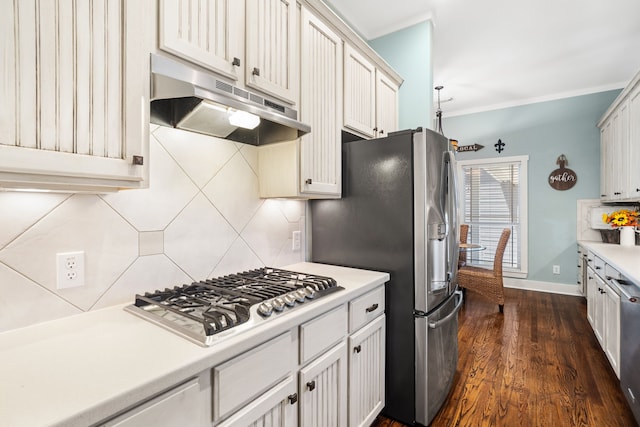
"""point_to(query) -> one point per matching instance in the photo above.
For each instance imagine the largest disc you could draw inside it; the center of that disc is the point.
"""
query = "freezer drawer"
(436, 357)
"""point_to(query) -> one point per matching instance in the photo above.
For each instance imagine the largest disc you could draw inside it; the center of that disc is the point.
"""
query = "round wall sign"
(562, 178)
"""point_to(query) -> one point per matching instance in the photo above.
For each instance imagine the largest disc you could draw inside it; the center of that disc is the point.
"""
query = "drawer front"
(179, 406)
(612, 272)
(591, 259)
(318, 334)
(242, 378)
(598, 266)
(364, 309)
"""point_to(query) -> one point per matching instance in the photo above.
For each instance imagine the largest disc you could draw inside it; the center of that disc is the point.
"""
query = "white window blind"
(494, 198)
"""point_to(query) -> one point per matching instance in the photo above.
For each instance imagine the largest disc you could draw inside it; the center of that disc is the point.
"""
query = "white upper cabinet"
(272, 61)
(75, 94)
(209, 33)
(619, 142)
(321, 107)
(386, 105)
(370, 97)
(251, 42)
(634, 143)
(359, 93)
(311, 167)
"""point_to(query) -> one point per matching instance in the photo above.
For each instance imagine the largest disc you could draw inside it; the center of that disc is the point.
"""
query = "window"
(493, 197)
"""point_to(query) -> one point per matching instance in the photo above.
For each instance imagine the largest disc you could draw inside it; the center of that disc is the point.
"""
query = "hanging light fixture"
(453, 142)
(439, 113)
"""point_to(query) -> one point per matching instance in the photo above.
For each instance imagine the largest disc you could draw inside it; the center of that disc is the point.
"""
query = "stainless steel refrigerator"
(398, 214)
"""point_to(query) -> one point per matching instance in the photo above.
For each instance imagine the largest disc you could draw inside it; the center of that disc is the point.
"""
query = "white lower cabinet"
(323, 389)
(612, 328)
(598, 313)
(184, 405)
(603, 311)
(275, 408)
(591, 296)
(250, 377)
(325, 372)
(366, 373)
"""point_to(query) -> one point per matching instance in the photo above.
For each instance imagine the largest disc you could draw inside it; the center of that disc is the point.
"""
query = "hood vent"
(186, 98)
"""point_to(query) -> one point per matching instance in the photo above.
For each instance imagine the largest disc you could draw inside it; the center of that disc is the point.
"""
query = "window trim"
(524, 209)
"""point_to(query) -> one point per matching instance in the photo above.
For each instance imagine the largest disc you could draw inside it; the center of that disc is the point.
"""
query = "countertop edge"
(625, 259)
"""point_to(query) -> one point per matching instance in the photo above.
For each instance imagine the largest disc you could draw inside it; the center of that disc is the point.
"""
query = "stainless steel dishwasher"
(630, 344)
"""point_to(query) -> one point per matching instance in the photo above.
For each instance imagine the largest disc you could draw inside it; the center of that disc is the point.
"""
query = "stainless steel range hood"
(186, 98)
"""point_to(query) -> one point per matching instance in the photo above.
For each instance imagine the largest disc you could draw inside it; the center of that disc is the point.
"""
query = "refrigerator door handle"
(452, 192)
(448, 317)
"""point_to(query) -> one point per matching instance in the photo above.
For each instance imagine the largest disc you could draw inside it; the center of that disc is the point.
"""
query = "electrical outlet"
(70, 269)
(295, 237)
(556, 269)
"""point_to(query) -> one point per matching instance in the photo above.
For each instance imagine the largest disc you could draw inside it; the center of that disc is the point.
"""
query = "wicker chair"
(484, 281)
(464, 232)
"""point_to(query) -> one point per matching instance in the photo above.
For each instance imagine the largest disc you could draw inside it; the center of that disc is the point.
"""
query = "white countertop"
(625, 259)
(82, 369)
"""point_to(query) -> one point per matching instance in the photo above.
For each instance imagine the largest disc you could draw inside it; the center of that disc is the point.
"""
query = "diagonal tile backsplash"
(201, 217)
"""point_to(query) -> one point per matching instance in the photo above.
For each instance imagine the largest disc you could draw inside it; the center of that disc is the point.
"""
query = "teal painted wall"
(543, 131)
(408, 51)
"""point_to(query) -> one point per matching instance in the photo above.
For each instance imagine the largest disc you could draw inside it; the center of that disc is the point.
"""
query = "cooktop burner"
(202, 310)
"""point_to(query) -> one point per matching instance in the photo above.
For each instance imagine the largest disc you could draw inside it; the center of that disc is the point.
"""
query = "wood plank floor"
(538, 365)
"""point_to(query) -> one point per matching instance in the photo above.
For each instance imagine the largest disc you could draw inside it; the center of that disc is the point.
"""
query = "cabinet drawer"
(248, 375)
(609, 271)
(598, 265)
(179, 406)
(322, 332)
(366, 308)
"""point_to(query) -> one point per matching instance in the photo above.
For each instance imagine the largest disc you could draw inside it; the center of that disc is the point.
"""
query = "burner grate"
(218, 304)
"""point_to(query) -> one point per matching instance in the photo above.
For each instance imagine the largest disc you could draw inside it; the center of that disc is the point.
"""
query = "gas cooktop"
(209, 310)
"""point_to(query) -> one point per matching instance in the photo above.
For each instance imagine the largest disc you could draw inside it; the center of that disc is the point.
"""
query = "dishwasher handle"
(624, 290)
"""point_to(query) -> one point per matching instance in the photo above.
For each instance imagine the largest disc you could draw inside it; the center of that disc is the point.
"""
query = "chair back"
(464, 232)
(502, 244)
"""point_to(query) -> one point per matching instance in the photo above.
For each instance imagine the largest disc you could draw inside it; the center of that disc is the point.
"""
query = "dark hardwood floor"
(537, 365)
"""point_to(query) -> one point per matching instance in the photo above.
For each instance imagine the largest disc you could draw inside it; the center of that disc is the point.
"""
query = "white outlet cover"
(295, 237)
(69, 269)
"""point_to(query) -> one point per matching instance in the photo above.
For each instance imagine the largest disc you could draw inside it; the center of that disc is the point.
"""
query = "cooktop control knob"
(299, 295)
(289, 300)
(278, 304)
(310, 292)
(265, 309)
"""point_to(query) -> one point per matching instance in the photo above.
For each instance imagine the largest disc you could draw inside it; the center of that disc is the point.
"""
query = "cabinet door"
(606, 161)
(612, 328)
(271, 60)
(634, 143)
(366, 373)
(209, 33)
(580, 275)
(359, 93)
(323, 389)
(591, 296)
(598, 314)
(321, 107)
(619, 165)
(275, 408)
(75, 92)
(386, 105)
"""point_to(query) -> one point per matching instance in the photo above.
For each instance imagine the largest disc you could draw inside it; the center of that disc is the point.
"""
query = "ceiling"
(501, 53)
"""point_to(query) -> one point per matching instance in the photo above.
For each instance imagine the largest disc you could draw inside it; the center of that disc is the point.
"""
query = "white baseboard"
(550, 287)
